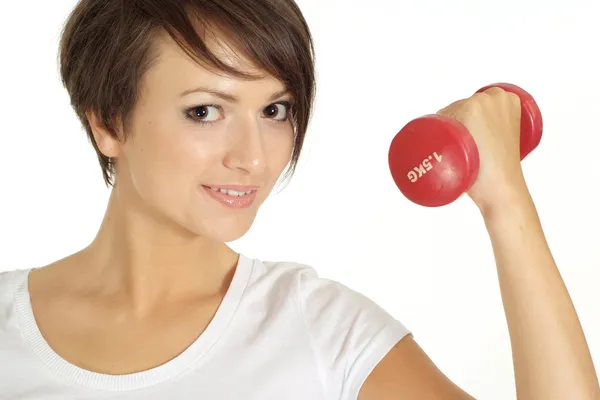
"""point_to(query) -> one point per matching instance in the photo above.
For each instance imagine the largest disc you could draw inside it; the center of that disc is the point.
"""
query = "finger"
(449, 109)
(493, 91)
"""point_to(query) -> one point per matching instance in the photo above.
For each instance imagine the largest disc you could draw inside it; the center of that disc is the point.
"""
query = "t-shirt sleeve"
(350, 334)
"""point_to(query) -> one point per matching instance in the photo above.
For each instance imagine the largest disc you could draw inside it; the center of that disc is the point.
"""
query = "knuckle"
(513, 98)
(494, 91)
(476, 102)
(452, 108)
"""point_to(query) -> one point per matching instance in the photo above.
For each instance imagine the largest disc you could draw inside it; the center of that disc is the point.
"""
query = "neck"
(144, 260)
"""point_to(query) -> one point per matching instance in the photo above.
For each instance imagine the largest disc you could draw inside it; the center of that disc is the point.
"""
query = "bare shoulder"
(408, 373)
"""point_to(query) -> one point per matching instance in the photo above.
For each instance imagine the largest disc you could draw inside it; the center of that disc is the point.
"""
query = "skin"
(159, 266)
(550, 354)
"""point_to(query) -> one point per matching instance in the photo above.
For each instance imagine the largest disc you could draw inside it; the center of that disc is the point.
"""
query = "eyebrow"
(228, 97)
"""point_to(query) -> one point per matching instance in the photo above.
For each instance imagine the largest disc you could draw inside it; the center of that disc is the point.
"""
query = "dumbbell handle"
(532, 125)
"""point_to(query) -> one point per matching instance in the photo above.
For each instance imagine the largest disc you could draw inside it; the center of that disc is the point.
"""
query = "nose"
(247, 150)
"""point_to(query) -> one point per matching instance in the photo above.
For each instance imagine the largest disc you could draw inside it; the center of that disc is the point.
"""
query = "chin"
(227, 229)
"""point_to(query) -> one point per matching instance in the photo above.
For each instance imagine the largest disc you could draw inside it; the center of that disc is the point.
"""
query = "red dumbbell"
(434, 159)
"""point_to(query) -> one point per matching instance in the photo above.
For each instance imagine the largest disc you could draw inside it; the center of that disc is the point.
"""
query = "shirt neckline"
(138, 380)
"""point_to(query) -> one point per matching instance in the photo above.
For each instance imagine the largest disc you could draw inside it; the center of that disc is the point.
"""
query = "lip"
(237, 202)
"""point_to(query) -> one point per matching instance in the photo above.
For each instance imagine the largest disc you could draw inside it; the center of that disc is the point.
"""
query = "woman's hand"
(493, 118)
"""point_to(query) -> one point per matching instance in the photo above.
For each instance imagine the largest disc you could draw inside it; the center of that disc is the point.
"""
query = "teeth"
(230, 192)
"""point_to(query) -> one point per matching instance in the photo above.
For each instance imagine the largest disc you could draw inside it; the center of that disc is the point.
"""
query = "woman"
(195, 110)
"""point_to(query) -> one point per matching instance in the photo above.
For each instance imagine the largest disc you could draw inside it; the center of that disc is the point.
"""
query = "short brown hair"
(107, 46)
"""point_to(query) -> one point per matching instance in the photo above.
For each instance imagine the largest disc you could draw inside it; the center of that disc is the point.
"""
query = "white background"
(380, 64)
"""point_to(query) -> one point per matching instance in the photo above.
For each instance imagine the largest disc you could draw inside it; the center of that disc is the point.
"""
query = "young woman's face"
(205, 149)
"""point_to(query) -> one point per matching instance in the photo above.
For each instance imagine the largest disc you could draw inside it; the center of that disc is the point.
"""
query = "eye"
(205, 113)
(277, 111)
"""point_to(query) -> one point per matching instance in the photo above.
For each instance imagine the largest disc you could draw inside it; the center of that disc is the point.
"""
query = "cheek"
(279, 148)
(167, 159)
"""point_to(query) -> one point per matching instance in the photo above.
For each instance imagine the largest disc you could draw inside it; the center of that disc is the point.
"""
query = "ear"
(106, 140)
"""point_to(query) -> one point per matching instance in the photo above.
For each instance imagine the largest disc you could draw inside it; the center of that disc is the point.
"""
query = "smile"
(237, 197)
(231, 192)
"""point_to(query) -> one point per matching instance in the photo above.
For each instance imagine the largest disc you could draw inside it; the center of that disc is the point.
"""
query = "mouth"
(234, 196)
(231, 192)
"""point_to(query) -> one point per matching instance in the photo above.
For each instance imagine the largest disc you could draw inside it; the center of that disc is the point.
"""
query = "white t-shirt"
(281, 333)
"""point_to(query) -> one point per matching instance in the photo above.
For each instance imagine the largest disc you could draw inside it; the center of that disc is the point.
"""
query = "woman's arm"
(550, 354)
